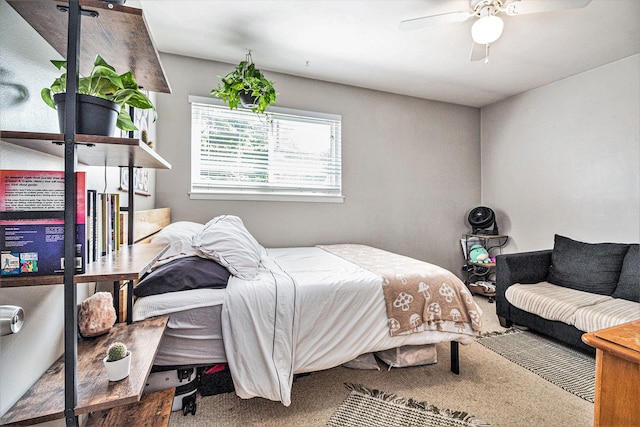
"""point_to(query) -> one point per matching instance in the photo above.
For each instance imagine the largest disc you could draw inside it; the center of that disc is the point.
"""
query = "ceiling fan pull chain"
(486, 54)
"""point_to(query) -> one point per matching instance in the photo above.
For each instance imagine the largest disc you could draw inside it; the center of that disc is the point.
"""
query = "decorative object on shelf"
(103, 91)
(140, 180)
(246, 85)
(117, 362)
(144, 137)
(481, 219)
(479, 255)
(96, 315)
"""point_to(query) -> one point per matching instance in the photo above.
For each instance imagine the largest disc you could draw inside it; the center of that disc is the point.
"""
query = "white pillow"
(178, 236)
(226, 240)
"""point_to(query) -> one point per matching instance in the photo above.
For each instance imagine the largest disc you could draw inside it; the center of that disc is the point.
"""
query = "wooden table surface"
(617, 392)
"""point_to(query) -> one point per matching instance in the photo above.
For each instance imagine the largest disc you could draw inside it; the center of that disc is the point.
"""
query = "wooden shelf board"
(480, 290)
(137, 52)
(44, 401)
(488, 236)
(153, 410)
(91, 149)
(129, 263)
(480, 264)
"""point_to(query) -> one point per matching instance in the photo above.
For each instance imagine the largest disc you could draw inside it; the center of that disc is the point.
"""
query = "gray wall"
(565, 158)
(411, 167)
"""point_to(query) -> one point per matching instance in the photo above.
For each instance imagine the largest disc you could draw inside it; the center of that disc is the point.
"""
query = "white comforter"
(307, 310)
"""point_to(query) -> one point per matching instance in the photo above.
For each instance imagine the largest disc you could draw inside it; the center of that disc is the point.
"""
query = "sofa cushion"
(607, 314)
(589, 267)
(629, 282)
(551, 302)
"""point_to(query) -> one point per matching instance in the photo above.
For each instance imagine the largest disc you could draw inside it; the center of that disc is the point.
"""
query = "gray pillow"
(629, 282)
(589, 267)
(183, 274)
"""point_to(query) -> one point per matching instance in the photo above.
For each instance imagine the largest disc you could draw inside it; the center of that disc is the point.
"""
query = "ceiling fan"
(488, 26)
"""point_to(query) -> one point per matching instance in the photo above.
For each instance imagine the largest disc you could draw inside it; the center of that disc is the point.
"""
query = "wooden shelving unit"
(77, 384)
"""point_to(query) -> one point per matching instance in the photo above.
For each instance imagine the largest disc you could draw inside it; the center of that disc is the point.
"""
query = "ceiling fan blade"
(433, 20)
(522, 7)
(478, 52)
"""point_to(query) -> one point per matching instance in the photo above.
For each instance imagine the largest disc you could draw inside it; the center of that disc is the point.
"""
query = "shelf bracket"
(83, 12)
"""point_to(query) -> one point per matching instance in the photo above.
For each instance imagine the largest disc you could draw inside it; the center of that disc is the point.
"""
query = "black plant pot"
(247, 100)
(94, 116)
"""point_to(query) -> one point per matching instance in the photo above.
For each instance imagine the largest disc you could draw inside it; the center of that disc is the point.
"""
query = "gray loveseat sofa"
(571, 289)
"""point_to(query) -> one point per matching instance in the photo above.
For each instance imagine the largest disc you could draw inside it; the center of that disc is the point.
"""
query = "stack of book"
(103, 222)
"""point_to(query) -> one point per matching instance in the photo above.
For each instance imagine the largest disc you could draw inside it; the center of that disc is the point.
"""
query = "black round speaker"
(482, 219)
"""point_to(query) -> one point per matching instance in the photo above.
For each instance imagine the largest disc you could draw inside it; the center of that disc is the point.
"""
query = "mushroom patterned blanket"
(419, 296)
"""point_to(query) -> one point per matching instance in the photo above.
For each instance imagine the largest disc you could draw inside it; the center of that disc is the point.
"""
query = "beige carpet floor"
(489, 387)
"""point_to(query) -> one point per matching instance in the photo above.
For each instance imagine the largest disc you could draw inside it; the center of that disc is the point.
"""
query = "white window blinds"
(287, 152)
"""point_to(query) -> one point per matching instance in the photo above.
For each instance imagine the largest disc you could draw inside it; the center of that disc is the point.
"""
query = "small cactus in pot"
(116, 351)
(117, 361)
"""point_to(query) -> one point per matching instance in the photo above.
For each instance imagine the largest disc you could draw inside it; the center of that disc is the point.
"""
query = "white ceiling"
(359, 43)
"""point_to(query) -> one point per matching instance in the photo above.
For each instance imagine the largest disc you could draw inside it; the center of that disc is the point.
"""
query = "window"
(289, 155)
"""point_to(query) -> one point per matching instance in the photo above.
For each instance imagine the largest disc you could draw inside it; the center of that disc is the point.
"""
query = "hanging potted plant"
(102, 99)
(247, 86)
(117, 362)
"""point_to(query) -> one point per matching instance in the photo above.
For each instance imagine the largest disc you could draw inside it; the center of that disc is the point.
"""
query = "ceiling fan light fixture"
(487, 29)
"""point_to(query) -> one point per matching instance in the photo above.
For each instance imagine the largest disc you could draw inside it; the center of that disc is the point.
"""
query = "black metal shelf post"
(70, 189)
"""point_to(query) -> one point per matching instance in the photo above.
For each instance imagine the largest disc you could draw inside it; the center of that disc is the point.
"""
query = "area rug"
(366, 407)
(569, 369)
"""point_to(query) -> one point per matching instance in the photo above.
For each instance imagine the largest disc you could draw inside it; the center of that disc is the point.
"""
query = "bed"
(272, 313)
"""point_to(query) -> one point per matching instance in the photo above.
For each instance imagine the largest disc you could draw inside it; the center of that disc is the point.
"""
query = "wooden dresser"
(617, 391)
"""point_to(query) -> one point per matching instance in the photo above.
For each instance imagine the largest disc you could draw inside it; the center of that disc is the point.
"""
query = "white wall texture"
(565, 159)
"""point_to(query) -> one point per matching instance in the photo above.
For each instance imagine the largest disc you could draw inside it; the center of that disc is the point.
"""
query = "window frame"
(252, 194)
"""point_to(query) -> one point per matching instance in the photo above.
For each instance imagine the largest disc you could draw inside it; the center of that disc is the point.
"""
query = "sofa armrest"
(522, 267)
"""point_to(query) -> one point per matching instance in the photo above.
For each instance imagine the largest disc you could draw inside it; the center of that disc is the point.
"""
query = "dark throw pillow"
(183, 274)
(629, 282)
(589, 267)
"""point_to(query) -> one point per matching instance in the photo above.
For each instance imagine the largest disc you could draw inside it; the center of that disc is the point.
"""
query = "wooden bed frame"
(145, 224)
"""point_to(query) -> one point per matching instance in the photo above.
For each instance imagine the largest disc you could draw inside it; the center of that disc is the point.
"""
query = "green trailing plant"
(103, 82)
(250, 80)
(116, 351)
